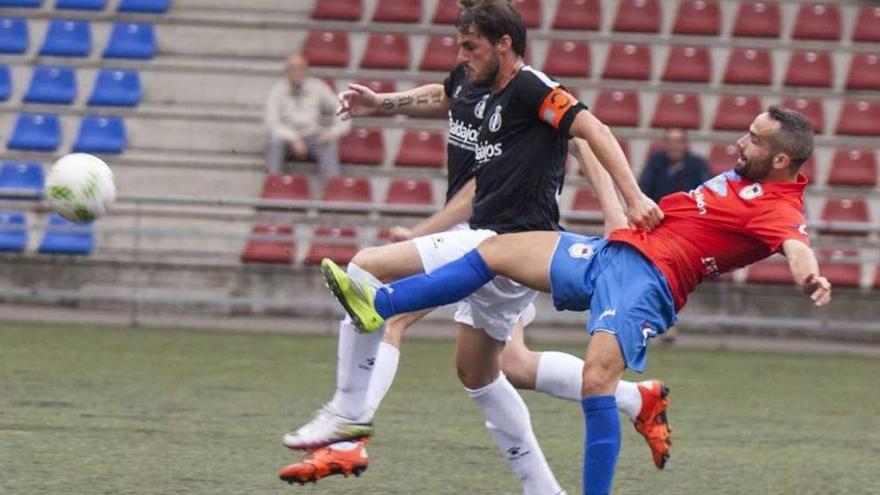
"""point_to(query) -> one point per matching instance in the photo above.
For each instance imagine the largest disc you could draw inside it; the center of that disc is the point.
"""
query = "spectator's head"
(491, 39)
(778, 143)
(675, 144)
(297, 69)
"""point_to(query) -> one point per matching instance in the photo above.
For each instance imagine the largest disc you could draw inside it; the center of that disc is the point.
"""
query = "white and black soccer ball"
(80, 187)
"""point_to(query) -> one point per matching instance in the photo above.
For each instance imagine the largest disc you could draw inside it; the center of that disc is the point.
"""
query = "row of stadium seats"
(55, 84)
(814, 21)
(73, 38)
(42, 132)
(60, 236)
(125, 6)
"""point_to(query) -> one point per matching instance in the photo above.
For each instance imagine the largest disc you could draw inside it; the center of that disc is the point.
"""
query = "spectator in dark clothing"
(673, 168)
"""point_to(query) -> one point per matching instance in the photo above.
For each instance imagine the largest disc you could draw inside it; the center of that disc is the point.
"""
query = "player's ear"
(505, 43)
(781, 161)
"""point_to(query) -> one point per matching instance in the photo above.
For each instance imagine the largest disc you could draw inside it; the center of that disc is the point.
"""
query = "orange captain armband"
(555, 104)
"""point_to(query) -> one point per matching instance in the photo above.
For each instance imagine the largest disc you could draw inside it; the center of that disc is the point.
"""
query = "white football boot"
(327, 427)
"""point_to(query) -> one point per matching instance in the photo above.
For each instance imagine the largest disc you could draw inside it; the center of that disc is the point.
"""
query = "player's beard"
(754, 169)
(490, 75)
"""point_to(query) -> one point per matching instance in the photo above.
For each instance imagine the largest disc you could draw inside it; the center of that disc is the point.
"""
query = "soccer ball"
(80, 187)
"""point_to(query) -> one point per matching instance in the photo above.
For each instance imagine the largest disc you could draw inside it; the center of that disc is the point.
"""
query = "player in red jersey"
(635, 281)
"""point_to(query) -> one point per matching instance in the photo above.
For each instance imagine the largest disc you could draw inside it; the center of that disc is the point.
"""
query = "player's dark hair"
(794, 136)
(493, 19)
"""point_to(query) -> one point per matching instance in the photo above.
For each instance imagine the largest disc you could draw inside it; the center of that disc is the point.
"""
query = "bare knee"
(519, 364)
(474, 377)
(369, 260)
(490, 250)
(601, 377)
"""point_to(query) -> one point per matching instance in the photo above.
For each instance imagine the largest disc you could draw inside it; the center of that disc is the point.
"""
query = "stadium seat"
(853, 168)
(812, 108)
(722, 157)
(809, 68)
(446, 13)
(422, 149)
(845, 210)
(618, 108)
(809, 168)
(63, 237)
(13, 232)
(628, 61)
(680, 110)
(441, 53)
(736, 113)
(585, 199)
(758, 20)
(348, 190)
(146, 6)
(21, 180)
(267, 244)
(409, 11)
(131, 40)
(868, 24)
(14, 37)
(700, 17)
(582, 15)
(362, 147)
(36, 132)
(337, 243)
(81, 4)
(327, 48)
(410, 192)
(530, 10)
(842, 267)
(100, 134)
(864, 71)
(637, 16)
(287, 187)
(772, 270)
(67, 38)
(817, 21)
(568, 59)
(379, 85)
(116, 88)
(5, 82)
(386, 51)
(748, 66)
(859, 118)
(51, 84)
(21, 3)
(688, 64)
(338, 10)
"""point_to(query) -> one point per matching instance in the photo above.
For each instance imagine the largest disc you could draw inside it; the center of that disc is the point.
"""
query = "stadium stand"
(445, 13)
(864, 71)
(13, 231)
(338, 10)
(398, 11)
(67, 38)
(867, 24)
(618, 108)
(267, 244)
(859, 118)
(68, 238)
(812, 108)
(101, 135)
(581, 15)
(820, 21)
(14, 35)
(36, 132)
(422, 149)
(145, 6)
(5, 82)
(681, 110)
(410, 192)
(568, 59)
(336, 243)
(21, 3)
(638, 16)
(853, 168)
(349, 190)
(116, 88)
(688, 64)
(845, 210)
(81, 4)
(722, 157)
(697, 17)
(286, 187)
(810, 68)
(628, 61)
(749, 66)
(758, 20)
(441, 53)
(51, 84)
(21, 180)
(736, 113)
(131, 40)
(362, 146)
(386, 51)
(530, 10)
(327, 48)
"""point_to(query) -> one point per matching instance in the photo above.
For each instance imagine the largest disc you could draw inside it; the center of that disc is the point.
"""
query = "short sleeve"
(548, 100)
(775, 225)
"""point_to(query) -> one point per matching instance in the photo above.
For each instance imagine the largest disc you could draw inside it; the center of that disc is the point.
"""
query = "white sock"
(383, 375)
(353, 375)
(344, 347)
(507, 419)
(629, 399)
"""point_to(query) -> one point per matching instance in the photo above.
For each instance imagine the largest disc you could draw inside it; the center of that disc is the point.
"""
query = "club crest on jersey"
(495, 120)
(718, 184)
(480, 108)
(751, 192)
(580, 251)
(457, 91)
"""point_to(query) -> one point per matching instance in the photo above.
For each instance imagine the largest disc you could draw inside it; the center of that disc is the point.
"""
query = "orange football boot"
(327, 461)
(651, 421)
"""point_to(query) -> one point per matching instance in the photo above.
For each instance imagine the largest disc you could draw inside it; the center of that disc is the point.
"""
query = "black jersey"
(520, 155)
(466, 106)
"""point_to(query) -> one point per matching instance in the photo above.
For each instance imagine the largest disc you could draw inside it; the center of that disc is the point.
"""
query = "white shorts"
(494, 307)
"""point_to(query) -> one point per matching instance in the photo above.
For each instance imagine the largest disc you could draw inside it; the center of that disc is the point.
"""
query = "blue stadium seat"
(116, 87)
(13, 231)
(5, 82)
(131, 40)
(52, 84)
(100, 134)
(67, 38)
(14, 36)
(150, 6)
(36, 132)
(21, 3)
(81, 4)
(63, 237)
(21, 180)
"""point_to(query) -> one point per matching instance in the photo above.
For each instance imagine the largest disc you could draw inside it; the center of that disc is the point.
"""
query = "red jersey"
(726, 223)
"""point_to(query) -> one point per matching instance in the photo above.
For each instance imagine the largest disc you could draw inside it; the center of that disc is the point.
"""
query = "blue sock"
(601, 444)
(450, 283)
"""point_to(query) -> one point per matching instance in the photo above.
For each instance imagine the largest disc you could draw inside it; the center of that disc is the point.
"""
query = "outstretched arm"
(457, 210)
(612, 210)
(424, 101)
(805, 270)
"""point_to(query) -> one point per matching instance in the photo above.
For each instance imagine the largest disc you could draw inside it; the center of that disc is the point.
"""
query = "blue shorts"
(626, 294)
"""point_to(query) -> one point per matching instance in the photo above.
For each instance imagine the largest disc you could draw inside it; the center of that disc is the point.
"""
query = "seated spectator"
(673, 168)
(301, 117)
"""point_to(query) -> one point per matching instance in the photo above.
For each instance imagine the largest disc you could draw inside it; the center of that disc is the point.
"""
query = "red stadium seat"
(809, 68)
(362, 147)
(386, 51)
(688, 64)
(772, 270)
(817, 21)
(868, 24)
(853, 168)
(441, 53)
(379, 85)
(638, 16)
(722, 157)
(338, 10)
(578, 14)
(812, 108)
(748, 66)
(446, 13)
(757, 20)
(845, 210)
(568, 59)
(677, 110)
(398, 11)
(864, 72)
(530, 10)
(422, 149)
(736, 113)
(841, 267)
(349, 190)
(263, 247)
(410, 192)
(859, 118)
(327, 48)
(585, 199)
(702, 17)
(277, 186)
(337, 243)
(628, 61)
(618, 108)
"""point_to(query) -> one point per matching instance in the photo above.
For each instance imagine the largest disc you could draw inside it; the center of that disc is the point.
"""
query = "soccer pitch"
(118, 411)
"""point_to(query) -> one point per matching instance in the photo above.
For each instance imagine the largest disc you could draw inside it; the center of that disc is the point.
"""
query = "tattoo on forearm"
(387, 104)
(426, 98)
(404, 101)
